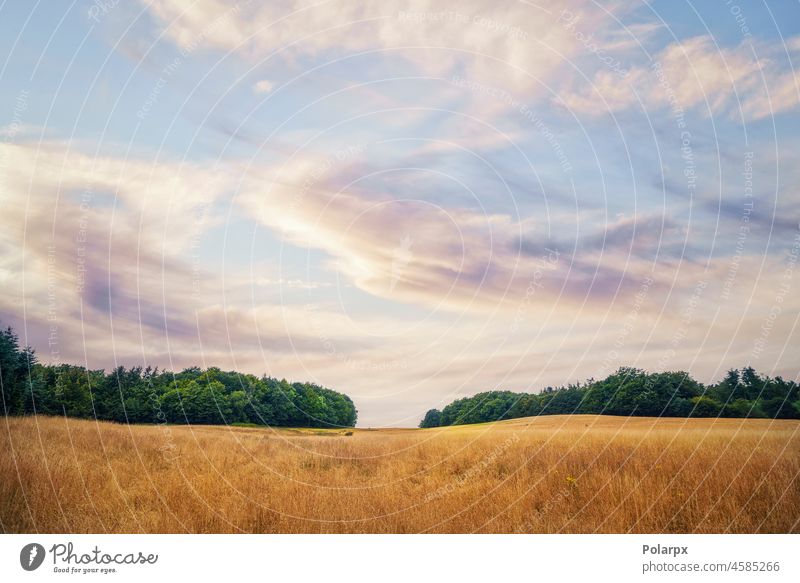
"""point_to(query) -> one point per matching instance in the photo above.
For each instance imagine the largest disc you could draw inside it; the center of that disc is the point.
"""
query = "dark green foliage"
(139, 395)
(14, 366)
(489, 406)
(705, 407)
(433, 418)
(631, 391)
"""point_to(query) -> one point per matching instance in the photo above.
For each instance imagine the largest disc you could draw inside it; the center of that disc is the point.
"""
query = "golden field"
(555, 474)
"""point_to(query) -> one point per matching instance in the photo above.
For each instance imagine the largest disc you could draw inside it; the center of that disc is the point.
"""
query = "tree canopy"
(137, 395)
(630, 391)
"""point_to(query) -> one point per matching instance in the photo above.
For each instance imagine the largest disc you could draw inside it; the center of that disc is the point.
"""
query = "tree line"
(630, 391)
(147, 395)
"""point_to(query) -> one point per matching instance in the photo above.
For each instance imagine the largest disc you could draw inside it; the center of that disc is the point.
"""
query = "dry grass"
(549, 474)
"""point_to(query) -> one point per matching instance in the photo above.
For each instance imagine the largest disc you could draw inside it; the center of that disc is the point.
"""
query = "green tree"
(15, 363)
(433, 418)
(73, 393)
(704, 406)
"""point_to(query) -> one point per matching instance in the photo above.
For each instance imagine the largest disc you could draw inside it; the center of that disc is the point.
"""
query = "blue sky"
(408, 202)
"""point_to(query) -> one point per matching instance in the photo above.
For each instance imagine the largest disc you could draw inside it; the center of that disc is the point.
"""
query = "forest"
(634, 392)
(213, 396)
(146, 395)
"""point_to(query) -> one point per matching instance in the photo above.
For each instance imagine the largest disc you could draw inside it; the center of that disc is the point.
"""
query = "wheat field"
(556, 474)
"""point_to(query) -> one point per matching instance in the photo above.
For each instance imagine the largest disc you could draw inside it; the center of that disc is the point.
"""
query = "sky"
(409, 202)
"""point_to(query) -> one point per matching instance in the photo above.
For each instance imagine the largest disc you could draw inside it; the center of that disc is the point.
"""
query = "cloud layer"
(408, 202)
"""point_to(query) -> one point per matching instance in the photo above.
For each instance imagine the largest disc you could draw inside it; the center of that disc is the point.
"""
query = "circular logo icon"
(31, 556)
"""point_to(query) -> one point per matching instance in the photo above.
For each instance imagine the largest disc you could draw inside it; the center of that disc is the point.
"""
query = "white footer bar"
(423, 558)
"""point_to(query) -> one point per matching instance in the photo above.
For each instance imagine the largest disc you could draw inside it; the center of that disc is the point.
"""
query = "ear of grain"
(579, 474)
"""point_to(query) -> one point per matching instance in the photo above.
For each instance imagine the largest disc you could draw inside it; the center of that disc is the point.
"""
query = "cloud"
(262, 86)
(695, 73)
(428, 301)
(446, 257)
(109, 251)
(521, 46)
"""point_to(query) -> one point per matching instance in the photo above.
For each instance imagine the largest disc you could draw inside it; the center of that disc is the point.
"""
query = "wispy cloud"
(696, 73)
